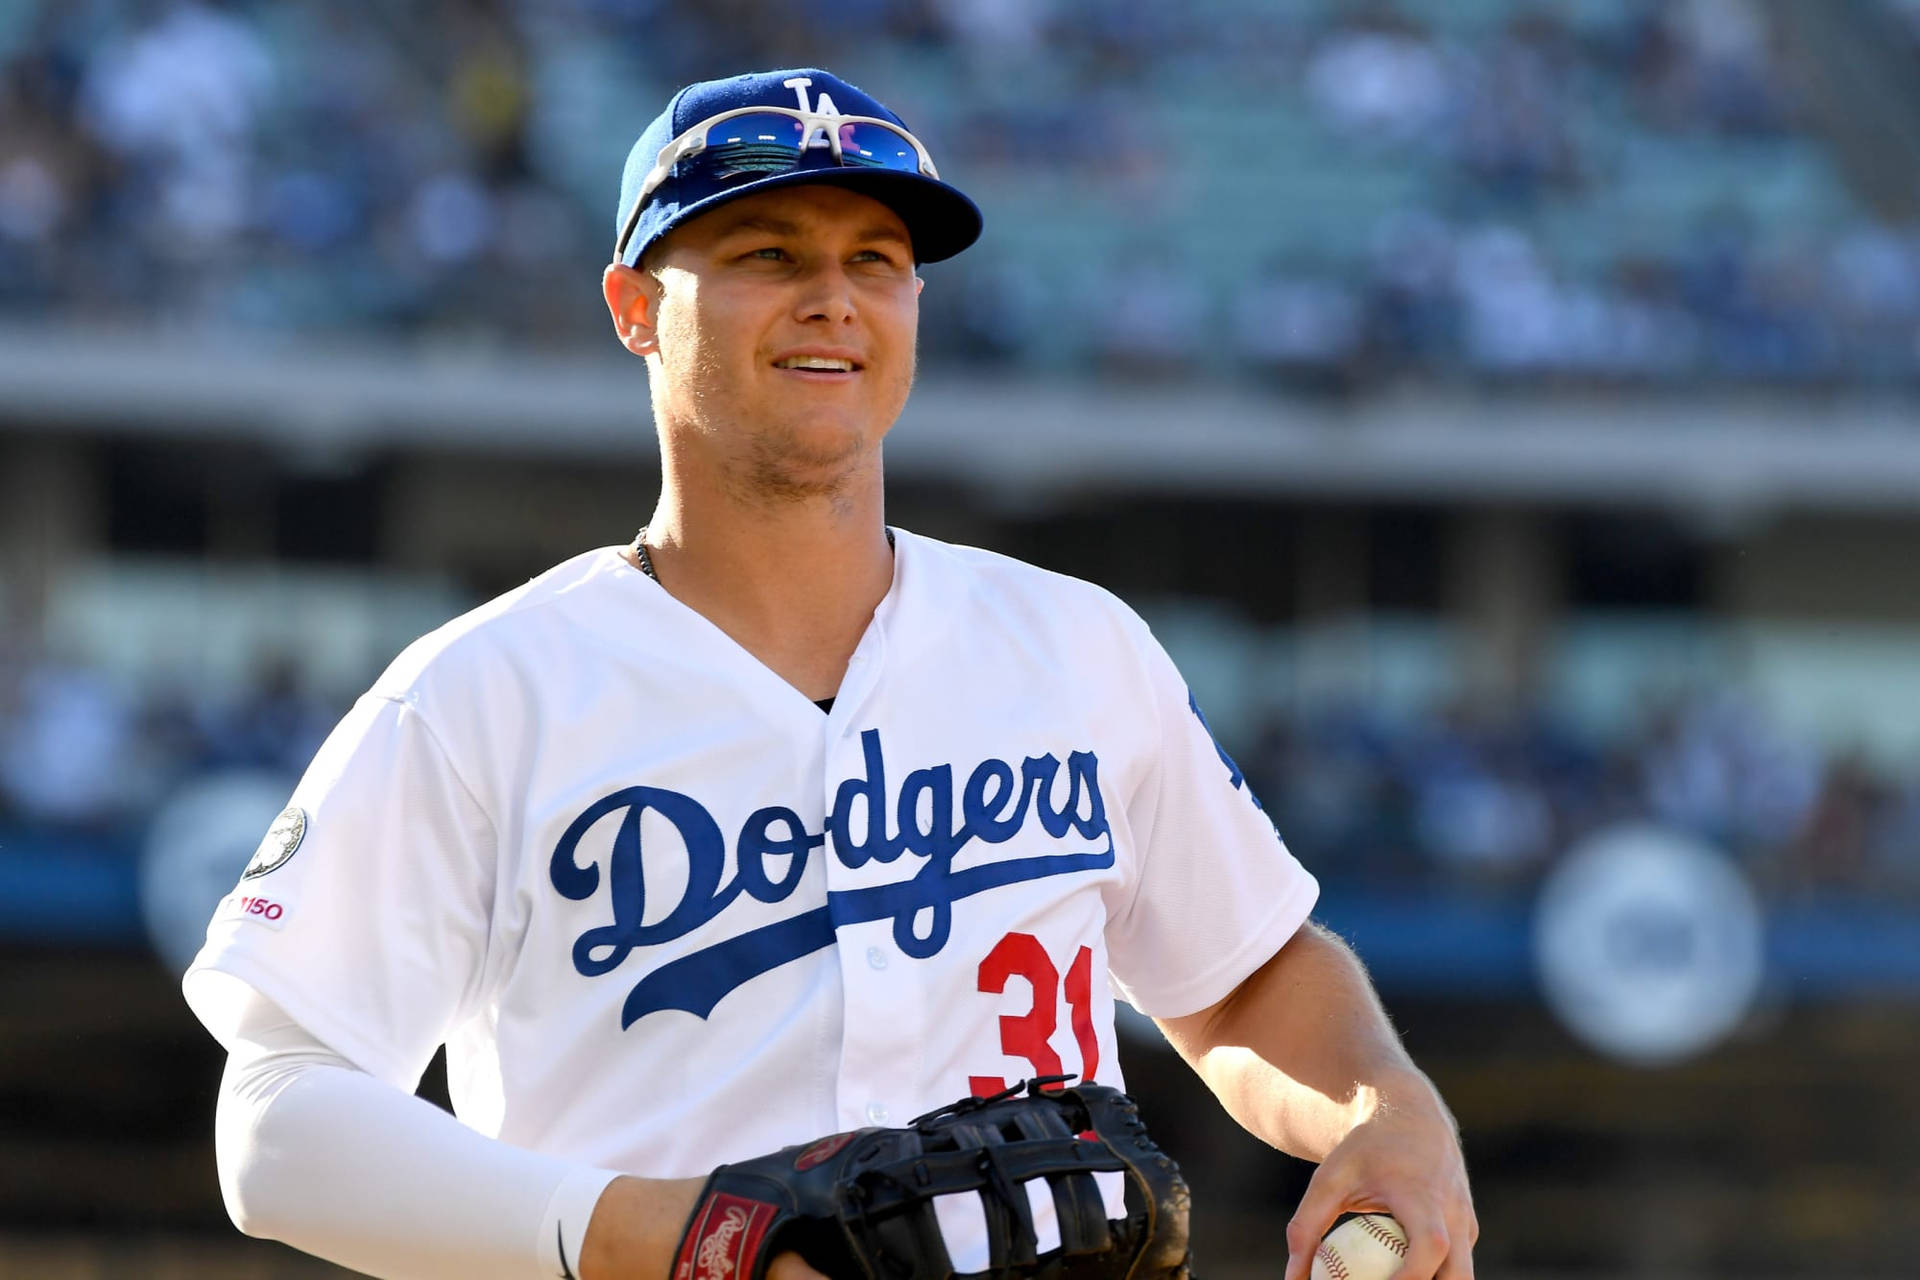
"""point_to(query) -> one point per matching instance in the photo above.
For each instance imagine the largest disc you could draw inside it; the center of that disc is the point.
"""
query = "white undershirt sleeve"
(324, 1157)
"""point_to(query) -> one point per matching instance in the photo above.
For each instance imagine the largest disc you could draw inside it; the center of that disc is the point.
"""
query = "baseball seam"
(1371, 1225)
(1335, 1264)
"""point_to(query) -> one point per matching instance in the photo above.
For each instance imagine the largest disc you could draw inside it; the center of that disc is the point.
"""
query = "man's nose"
(827, 295)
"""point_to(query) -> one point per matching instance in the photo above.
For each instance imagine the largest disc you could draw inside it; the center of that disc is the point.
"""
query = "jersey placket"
(879, 1064)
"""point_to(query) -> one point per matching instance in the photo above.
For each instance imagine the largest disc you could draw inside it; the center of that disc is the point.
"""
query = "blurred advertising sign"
(196, 847)
(1648, 944)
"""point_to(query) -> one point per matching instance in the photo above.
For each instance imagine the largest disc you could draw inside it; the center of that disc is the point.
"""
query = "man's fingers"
(1461, 1237)
(1459, 1264)
(791, 1266)
(1324, 1201)
(1428, 1245)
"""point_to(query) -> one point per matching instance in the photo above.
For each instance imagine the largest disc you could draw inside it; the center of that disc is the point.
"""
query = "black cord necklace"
(640, 552)
(646, 561)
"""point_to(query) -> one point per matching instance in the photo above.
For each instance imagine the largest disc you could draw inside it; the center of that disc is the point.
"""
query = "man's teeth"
(815, 362)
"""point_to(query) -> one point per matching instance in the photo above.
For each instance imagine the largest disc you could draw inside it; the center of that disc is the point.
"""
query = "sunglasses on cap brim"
(752, 142)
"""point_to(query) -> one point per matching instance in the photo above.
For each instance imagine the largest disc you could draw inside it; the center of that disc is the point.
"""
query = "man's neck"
(794, 583)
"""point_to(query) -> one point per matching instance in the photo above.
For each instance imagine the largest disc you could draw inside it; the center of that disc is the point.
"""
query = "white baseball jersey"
(666, 913)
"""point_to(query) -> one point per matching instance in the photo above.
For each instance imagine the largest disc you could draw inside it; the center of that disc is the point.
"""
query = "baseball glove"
(859, 1206)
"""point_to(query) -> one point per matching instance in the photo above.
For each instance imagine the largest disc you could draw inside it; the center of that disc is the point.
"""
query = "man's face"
(785, 334)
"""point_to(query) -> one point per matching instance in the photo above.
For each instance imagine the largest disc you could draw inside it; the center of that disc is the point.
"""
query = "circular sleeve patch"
(282, 838)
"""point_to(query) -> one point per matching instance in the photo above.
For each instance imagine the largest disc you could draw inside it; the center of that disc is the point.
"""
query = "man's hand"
(1302, 1055)
(636, 1229)
(1403, 1158)
(791, 1266)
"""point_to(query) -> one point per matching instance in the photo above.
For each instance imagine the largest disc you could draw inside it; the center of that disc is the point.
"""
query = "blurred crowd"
(1458, 795)
(83, 754)
(1467, 795)
(448, 168)
(1636, 197)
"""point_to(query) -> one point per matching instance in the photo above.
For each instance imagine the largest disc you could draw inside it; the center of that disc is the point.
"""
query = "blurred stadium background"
(1505, 411)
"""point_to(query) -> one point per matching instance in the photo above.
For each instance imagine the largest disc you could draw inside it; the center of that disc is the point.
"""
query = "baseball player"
(775, 823)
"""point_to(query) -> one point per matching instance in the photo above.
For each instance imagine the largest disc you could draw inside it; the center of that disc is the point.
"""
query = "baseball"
(1367, 1246)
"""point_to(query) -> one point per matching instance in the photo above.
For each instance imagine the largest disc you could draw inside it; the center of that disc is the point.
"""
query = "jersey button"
(876, 958)
(876, 1113)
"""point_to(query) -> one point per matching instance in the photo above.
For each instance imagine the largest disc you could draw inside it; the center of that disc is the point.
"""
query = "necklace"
(640, 552)
(646, 561)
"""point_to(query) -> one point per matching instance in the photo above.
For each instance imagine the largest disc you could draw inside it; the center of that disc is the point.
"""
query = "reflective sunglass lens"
(878, 147)
(752, 144)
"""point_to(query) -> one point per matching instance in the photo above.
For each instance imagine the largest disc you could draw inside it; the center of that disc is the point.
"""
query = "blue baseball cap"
(939, 217)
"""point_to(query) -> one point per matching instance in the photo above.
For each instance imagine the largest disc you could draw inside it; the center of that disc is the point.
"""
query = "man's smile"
(820, 364)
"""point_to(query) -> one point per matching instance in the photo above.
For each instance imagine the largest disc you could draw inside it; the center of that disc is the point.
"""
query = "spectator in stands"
(1513, 319)
(1512, 132)
(273, 723)
(67, 750)
(995, 33)
(1412, 311)
(1382, 77)
(1299, 328)
(179, 103)
(1153, 319)
(1834, 847)
(1873, 286)
(1725, 75)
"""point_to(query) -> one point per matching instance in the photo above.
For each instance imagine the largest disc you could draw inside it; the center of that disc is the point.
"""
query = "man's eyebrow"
(761, 222)
(894, 234)
(771, 225)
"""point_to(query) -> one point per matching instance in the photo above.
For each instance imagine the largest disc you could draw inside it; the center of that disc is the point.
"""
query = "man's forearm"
(322, 1156)
(343, 1166)
(1302, 1051)
(636, 1226)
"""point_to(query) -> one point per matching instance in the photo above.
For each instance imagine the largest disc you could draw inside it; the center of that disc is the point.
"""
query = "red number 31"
(1026, 1035)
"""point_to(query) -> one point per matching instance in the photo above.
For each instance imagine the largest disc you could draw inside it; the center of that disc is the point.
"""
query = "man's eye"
(769, 254)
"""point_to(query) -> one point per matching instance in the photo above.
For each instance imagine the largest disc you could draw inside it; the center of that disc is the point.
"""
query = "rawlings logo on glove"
(728, 1235)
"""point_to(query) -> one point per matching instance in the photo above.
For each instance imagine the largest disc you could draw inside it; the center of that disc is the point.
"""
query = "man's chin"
(813, 460)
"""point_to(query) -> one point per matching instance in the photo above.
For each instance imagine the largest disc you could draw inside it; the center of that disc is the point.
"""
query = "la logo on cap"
(823, 106)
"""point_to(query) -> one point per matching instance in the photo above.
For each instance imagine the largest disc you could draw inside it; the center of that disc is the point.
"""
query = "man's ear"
(633, 300)
(919, 283)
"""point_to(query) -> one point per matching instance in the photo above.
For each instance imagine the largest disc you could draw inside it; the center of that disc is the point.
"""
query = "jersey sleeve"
(1215, 892)
(365, 913)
